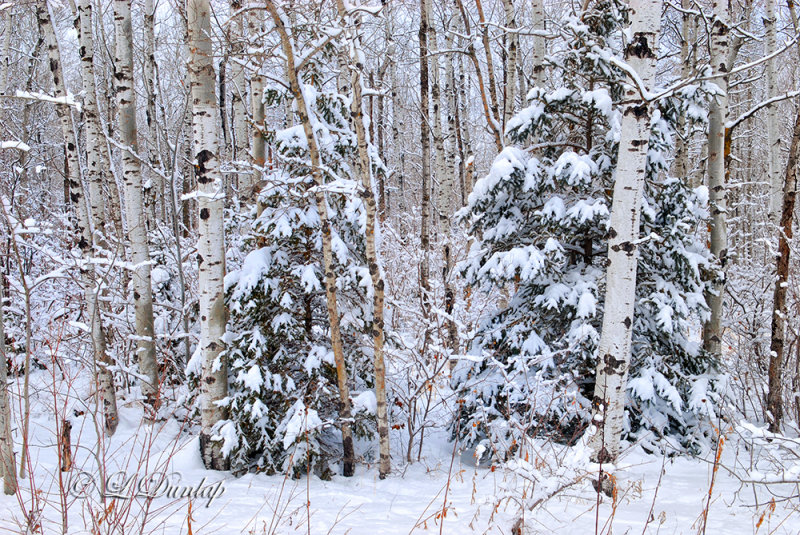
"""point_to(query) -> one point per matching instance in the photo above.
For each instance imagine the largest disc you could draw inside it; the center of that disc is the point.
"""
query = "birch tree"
(364, 167)
(134, 203)
(718, 114)
(345, 412)
(424, 101)
(211, 238)
(258, 147)
(773, 141)
(614, 350)
(97, 162)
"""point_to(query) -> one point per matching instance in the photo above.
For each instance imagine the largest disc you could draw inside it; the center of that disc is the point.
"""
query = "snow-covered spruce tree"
(284, 402)
(540, 220)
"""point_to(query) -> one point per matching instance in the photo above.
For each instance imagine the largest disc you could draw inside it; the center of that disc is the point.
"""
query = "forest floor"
(442, 493)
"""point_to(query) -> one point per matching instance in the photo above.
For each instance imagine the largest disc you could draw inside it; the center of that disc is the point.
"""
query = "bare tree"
(614, 349)
(134, 203)
(364, 165)
(712, 330)
(211, 239)
(97, 162)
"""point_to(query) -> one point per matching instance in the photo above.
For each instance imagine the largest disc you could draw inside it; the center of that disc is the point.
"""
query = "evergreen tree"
(540, 219)
(284, 402)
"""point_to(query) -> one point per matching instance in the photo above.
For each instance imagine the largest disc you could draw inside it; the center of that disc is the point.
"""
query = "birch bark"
(614, 350)
(512, 39)
(211, 237)
(424, 101)
(7, 468)
(259, 157)
(134, 203)
(96, 164)
(353, 26)
(718, 114)
(539, 44)
(773, 141)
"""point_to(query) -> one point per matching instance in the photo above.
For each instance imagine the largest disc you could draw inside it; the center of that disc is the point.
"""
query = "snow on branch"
(69, 100)
(752, 111)
(19, 145)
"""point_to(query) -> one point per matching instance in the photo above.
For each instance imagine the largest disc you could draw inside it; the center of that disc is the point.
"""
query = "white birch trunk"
(238, 94)
(155, 193)
(681, 142)
(134, 203)
(96, 164)
(773, 140)
(718, 115)
(426, 160)
(5, 66)
(259, 157)
(211, 239)
(614, 350)
(539, 44)
(512, 44)
(375, 265)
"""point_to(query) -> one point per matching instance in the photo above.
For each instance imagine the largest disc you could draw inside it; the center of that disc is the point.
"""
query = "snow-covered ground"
(433, 495)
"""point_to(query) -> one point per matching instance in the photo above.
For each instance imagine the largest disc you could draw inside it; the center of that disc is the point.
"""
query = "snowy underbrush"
(150, 479)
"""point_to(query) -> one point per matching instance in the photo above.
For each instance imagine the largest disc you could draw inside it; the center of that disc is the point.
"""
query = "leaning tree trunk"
(712, 330)
(345, 410)
(778, 341)
(96, 164)
(489, 107)
(614, 349)
(211, 239)
(7, 470)
(375, 268)
(134, 203)
(487, 49)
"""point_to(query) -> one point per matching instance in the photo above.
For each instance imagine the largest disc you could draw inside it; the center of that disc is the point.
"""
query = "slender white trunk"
(345, 410)
(259, 157)
(5, 60)
(440, 170)
(373, 260)
(512, 46)
(426, 159)
(773, 140)
(96, 165)
(155, 193)
(539, 44)
(134, 203)
(681, 141)
(718, 115)
(614, 349)
(239, 92)
(211, 239)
